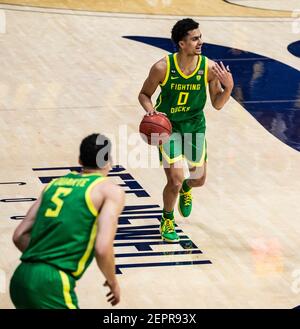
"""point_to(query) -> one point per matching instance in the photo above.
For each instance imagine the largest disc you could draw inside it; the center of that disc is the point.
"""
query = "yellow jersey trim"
(50, 184)
(167, 158)
(205, 71)
(181, 73)
(167, 73)
(91, 174)
(85, 174)
(159, 102)
(201, 162)
(87, 253)
(88, 199)
(66, 290)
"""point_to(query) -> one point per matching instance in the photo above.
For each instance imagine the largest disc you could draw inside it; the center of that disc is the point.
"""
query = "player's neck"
(186, 62)
(93, 171)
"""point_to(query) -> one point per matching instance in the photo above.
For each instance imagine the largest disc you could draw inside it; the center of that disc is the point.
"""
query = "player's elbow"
(103, 250)
(142, 97)
(216, 106)
(16, 238)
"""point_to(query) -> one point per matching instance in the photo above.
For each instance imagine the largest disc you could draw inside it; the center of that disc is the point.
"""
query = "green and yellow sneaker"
(185, 203)
(167, 230)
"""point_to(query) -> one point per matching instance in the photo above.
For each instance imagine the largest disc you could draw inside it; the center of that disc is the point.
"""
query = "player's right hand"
(151, 112)
(113, 296)
(155, 112)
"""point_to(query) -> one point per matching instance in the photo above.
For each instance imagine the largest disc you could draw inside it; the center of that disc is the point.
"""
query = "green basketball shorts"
(39, 285)
(189, 146)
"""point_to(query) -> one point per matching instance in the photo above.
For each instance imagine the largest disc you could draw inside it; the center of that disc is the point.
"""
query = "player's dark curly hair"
(95, 151)
(181, 29)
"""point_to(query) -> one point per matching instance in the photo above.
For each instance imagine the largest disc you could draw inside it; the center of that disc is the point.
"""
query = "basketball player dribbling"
(183, 78)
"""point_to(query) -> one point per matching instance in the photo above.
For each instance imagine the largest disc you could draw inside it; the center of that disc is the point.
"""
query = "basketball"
(155, 129)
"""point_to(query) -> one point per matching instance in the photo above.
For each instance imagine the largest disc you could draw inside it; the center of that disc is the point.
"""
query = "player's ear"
(79, 161)
(181, 44)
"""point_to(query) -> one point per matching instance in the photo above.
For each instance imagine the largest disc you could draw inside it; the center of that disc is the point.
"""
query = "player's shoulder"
(158, 70)
(211, 75)
(111, 190)
(160, 65)
(211, 62)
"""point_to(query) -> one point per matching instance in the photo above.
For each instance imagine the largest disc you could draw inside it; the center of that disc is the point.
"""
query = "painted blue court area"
(294, 48)
(266, 88)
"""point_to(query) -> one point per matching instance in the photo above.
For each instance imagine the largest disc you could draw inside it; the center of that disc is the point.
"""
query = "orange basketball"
(155, 129)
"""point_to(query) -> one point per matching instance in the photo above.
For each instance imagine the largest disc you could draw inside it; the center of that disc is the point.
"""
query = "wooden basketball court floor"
(67, 71)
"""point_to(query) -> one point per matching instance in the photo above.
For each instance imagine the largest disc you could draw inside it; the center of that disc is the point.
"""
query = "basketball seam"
(155, 124)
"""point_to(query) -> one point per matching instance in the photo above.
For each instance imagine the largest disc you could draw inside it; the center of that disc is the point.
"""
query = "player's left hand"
(224, 75)
(113, 296)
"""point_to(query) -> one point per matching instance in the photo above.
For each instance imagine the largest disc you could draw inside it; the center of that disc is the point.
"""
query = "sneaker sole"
(169, 241)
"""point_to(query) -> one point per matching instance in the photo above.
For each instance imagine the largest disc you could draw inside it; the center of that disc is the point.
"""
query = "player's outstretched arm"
(107, 226)
(156, 75)
(217, 75)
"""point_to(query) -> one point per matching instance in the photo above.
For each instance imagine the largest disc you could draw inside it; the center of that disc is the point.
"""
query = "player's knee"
(175, 183)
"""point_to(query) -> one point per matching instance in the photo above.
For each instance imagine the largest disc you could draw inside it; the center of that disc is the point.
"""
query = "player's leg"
(197, 176)
(195, 152)
(171, 158)
(175, 177)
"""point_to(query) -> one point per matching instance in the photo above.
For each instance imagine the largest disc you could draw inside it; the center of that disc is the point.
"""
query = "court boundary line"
(258, 8)
(93, 13)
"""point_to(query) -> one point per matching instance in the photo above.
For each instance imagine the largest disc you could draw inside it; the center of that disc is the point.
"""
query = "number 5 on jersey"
(57, 197)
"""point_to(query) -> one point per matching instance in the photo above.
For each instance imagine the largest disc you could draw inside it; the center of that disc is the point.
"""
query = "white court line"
(58, 11)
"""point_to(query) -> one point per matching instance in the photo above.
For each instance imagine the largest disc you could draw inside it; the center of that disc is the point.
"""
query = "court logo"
(2, 282)
(296, 21)
(296, 282)
(267, 256)
(2, 22)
